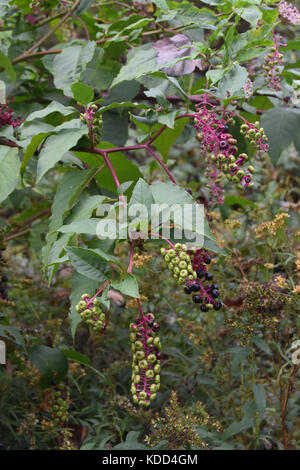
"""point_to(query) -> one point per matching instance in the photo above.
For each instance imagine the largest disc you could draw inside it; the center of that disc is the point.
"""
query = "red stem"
(130, 265)
(161, 164)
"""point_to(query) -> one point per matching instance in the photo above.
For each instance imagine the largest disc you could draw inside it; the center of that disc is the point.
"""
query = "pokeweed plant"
(99, 97)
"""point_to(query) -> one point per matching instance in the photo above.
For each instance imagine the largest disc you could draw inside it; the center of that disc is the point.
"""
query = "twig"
(46, 36)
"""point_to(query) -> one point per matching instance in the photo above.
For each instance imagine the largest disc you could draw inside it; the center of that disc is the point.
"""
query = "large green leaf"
(56, 146)
(82, 93)
(67, 194)
(142, 195)
(127, 286)
(88, 263)
(53, 107)
(232, 82)
(52, 364)
(8, 67)
(10, 168)
(167, 139)
(142, 62)
(281, 126)
(70, 64)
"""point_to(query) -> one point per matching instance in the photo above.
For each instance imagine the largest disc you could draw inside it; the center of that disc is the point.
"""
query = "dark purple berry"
(156, 327)
(195, 287)
(217, 305)
(209, 276)
(138, 320)
(150, 323)
(200, 273)
(215, 293)
(197, 299)
(223, 144)
(215, 286)
(187, 290)
(204, 308)
(207, 259)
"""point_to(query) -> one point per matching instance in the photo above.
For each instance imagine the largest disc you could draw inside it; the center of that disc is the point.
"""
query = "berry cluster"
(146, 348)
(289, 12)
(179, 263)
(255, 135)
(59, 403)
(7, 117)
(204, 294)
(90, 312)
(220, 147)
(93, 120)
(274, 60)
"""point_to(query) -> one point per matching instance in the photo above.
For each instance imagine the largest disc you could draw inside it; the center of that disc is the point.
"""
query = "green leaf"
(8, 67)
(88, 227)
(238, 201)
(260, 398)
(52, 364)
(162, 4)
(70, 64)
(168, 119)
(72, 185)
(131, 442)
(10, 169)
(167, 139)
(127, 286)
(142, 195)
(56, 146)
(88, 263)
(12, 333)
(142, 62)
(251, 14)
(281, 126)
(233, 81)
(82, 93)
(76, 356)
(53, 107)
(261, 344)
(31, 148)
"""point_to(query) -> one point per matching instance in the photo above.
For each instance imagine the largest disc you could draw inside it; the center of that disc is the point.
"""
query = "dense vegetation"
(142, 341)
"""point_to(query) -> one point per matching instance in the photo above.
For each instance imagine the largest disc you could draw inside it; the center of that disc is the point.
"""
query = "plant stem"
(161, 164)
(46, 36)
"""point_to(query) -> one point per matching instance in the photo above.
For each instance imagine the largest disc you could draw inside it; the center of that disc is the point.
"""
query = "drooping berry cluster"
(59, 403)
(220, 148)
(289, 12)
(146, 368)
(179, 263)
(203, 292)
(90, 312)
(93, 118)
(255, 135)
(7, 117)
(274, 60)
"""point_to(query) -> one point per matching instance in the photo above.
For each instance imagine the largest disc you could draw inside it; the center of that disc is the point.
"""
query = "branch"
(46, 36)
